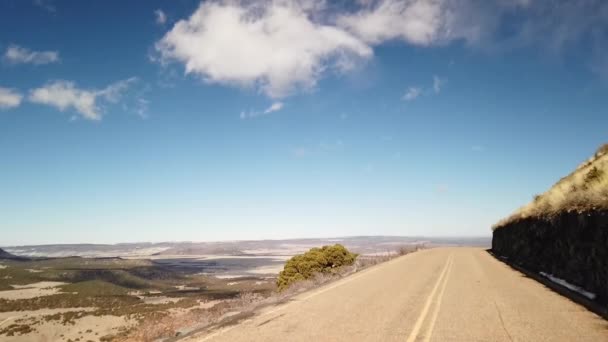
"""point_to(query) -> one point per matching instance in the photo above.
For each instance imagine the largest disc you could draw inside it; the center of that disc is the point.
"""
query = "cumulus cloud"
(9, 98)
(274, 46)
(279, 47)
(275, 107)
(19, 55)
(65, 95)
(161, 17)
(412, 93)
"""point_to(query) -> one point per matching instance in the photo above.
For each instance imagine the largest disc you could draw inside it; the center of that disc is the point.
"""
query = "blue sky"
(188, 120)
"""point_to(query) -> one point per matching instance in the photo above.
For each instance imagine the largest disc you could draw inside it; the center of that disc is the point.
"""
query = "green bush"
(317, 260)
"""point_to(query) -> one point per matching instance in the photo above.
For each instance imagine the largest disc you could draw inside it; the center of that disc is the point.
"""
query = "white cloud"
(114, 91)
(141, 107)
(9, 98)
(418, 22)
(438, 83)
(19, 55)
(65, 95)
(161, 17)
(275, 107)
(273, 46)
(279, 47)
(412, 93)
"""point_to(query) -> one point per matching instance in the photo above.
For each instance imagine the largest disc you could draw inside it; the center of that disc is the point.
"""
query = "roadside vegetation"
(585, 189)
(138, 290)
(159, 301)
(327, 259)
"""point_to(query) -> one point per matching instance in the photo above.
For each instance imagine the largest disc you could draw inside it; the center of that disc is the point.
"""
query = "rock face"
(572, 246)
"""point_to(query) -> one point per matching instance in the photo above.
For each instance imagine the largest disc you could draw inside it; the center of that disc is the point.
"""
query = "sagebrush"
(326, 259)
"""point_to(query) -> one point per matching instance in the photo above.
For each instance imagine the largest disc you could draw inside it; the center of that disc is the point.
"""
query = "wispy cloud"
(46, 5)
(418, 22)
(412, 93)
(161, 17)
(19, 55)
(438, 83)
(9, 98)
(65, 95)
(275, 107)
(141, 107)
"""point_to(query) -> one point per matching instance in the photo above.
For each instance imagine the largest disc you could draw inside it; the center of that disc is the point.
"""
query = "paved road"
(444, 294)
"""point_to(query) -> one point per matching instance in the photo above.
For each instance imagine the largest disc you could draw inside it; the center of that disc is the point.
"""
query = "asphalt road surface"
(443, 294)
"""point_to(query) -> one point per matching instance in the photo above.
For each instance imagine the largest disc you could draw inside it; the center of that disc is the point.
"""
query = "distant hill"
(585, 189)
(6, 255)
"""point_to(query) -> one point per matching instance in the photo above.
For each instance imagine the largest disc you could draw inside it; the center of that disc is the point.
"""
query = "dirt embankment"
(572, 246)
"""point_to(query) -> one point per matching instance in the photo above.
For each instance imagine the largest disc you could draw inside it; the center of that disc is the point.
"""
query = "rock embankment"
(572, 246)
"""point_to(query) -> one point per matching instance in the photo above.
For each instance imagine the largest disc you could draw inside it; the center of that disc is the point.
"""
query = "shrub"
(594, 174)
(602, 150)
(326, 259)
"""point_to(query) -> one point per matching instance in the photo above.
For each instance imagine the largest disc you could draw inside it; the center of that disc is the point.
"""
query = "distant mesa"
(4, 255)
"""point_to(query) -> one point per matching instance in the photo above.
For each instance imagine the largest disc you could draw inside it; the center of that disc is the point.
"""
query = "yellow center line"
(429, 331)
(427, 305)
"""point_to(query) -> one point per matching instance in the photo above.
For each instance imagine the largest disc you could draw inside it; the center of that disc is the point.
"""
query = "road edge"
(589, 304)
(243, 316)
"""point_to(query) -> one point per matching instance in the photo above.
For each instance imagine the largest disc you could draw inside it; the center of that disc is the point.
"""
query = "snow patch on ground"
(186, 288)
(44, 288)
(566, 284)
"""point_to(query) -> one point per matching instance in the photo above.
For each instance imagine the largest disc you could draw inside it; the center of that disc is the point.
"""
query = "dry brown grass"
(584, 189)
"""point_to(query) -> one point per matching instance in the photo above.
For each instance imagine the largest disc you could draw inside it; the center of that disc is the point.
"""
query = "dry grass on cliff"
(584, 189)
